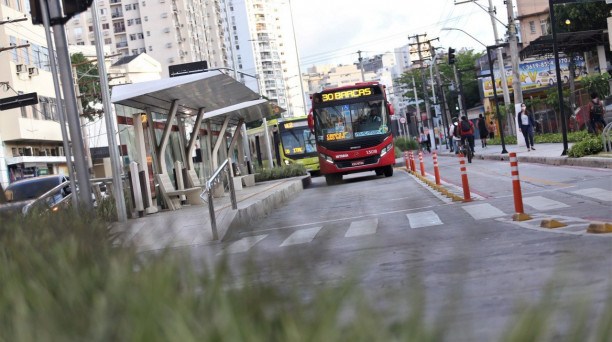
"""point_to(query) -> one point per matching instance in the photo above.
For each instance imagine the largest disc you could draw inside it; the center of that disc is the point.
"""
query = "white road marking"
(359, 228)
(483, 211)
(543, 203)
(244, 244)
(301, 236)
(596, 193)
(423, 219)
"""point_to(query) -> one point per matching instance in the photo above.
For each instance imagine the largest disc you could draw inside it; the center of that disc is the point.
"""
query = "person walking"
(482, 130)
(596, 113)
(526, 125)
(492, 129)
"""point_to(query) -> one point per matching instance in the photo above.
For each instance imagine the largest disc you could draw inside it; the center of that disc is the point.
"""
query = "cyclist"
(466, 129)
(596, 113)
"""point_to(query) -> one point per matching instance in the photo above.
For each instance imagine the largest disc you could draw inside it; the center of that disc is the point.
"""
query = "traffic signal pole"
(72, 112)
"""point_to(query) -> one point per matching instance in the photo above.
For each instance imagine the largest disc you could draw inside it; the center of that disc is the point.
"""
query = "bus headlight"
(286, 162)
(386, 149)
(326, 158)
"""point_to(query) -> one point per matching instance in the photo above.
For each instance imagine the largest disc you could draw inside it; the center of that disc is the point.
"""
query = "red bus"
(351, 126)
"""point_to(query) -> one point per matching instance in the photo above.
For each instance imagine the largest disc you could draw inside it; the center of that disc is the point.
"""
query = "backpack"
(465, 126)
(596, 109)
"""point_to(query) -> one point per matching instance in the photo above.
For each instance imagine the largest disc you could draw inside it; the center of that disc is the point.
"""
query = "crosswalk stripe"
(596, 193)
(423, 219)
(483, 211)
(244, 244)
(543, 203)
(365, 227)
(301, 236)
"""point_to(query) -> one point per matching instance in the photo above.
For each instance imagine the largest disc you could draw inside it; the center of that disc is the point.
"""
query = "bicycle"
(465, 150)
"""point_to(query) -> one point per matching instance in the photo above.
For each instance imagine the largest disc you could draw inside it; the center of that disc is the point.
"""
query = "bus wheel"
(388, 171)
(333, 179)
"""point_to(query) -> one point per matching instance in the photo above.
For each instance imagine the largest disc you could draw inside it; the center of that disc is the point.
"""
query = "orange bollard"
(436, 169)
(516, 184)
(422, 164)
(464, 179)
(406, 160)
(412, 163)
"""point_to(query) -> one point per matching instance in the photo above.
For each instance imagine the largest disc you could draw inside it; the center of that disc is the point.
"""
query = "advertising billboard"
(538, 74)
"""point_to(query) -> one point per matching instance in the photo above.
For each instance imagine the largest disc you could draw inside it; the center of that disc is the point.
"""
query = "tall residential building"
(263, 45)
(30, 136)
(170, 31)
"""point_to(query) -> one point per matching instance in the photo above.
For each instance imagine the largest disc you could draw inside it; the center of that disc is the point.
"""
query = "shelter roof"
(212, 90)
(566, 42)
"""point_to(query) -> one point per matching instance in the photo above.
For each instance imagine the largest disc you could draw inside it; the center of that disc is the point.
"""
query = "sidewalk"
(191, 225)
(549, 154)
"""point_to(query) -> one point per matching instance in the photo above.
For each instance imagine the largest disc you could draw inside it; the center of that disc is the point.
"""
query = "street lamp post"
(489, 48)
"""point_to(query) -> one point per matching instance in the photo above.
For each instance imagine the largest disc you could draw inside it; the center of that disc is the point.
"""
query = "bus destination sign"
(346, 94)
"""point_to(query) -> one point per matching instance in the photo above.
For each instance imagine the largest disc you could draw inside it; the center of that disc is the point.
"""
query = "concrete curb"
(596, 162)
(262, 207)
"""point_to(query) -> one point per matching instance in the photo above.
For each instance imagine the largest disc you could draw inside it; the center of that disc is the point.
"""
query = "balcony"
(117, 15)
(118, 30)
(114, 2)
(121, 45)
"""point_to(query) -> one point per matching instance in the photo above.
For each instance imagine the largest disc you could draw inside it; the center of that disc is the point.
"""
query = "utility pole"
(361, 66)
(418, 108)
(65, 76)
(514, 58)
(421, 59)
(442, 101)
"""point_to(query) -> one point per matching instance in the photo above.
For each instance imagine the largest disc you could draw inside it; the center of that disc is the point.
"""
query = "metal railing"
(42, 199)
(213, 181)
(606, 137)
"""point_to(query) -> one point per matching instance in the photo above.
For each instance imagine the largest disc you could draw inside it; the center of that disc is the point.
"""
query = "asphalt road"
(469, 262)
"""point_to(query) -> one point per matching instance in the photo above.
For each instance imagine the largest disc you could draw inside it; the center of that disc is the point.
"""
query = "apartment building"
(30, 136)
(170, 31)
(262, 45)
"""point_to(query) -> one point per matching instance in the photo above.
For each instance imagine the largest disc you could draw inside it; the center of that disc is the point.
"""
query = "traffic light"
(451, 56)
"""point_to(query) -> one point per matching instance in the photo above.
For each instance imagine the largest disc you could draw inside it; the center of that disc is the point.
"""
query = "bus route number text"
(346, 94)
(336, 136)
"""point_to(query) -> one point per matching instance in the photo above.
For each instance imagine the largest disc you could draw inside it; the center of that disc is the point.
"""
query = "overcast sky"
(332, 31)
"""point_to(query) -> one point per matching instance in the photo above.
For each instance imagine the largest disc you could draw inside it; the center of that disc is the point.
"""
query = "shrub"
(406, 144)
(286, 171)
(508, 139)
(588, 146)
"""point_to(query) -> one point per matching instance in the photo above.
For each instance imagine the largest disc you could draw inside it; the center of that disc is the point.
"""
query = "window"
(90, 28)
(35, 55)
(108, 41)
(132, 37)
(105, 26)
(13, 42)
(544, 26)
(148, 33)
(140, 35)
(150, 48)
(532, 27)
(142, 50)
(78, 32)
(144, 4)
(25, 52)
(138, 21)
(146, 18)
(134, 51)
(130, 22)
(128, 7)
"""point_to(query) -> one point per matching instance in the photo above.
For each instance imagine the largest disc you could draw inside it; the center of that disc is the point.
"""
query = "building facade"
(262, 44)
(170, 31)
(31, 138)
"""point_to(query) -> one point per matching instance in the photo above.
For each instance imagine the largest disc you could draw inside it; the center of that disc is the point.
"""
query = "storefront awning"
(567, 42)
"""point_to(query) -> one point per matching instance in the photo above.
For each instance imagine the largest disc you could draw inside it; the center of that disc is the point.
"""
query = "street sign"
(187, 68)
(402, 120)
(18, 101)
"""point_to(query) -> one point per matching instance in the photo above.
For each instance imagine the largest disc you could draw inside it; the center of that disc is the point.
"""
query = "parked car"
(546, 77)
(21, 194)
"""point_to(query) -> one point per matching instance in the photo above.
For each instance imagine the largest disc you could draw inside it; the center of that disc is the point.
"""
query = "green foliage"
(406, 144)
(585, 147)
(89, 84)
(63, 277)
(508, 139)
(287, 171)
(582, 16)
(597, 83)
(546, 138)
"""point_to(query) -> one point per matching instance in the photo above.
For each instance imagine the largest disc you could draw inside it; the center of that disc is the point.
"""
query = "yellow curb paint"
(551, 224)
(600, 228)
(520, 217)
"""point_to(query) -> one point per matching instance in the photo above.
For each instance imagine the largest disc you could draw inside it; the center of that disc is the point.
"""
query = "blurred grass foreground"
(64, 277)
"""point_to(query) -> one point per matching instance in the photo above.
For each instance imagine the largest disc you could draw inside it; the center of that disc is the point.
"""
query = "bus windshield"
(348, 121)
(297, 140)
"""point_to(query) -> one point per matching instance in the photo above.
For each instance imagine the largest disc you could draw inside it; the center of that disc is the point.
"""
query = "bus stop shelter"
(212, 97)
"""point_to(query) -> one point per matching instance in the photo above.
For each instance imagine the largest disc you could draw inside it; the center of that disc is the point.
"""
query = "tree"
(88, 80)
(587, 16)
